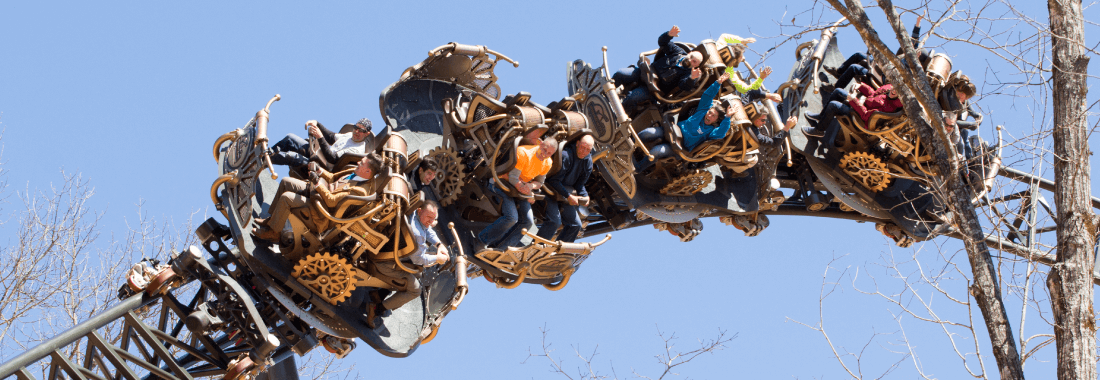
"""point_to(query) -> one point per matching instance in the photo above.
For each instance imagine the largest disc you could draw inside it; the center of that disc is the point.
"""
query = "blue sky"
(133, 94)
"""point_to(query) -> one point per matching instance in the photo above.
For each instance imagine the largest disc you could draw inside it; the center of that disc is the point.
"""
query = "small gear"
(449, 186)
(688, 184)
(868, 170)
(326, 274)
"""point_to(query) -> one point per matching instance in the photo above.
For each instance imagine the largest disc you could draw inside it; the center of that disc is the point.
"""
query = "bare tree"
(59, 271)
(1070, 279)
(670, 359)
(920, 102)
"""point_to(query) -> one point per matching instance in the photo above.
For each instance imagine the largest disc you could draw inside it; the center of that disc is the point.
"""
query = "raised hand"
(765, 72)
(725, 77)
(774, 97)
(675, 31)
(790, 123)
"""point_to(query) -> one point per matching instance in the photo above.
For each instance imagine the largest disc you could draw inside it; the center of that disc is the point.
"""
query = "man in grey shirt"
(406, 286)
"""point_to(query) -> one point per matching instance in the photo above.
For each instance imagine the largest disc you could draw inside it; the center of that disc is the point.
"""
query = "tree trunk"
(920, 102)
(1070, 279)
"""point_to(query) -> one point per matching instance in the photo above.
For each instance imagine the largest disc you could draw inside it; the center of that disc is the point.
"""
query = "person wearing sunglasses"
(293, 151)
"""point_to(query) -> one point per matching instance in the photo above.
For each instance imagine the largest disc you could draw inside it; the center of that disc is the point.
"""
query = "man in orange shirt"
(532, 164)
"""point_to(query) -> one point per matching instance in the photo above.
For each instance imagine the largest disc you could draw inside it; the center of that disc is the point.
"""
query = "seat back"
(480, 108)
(506, 161)
(939, 69)
(555, 167)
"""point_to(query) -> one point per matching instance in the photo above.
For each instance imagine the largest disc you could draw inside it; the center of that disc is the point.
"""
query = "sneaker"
(831, 70)
(814, 117)
(813, 132)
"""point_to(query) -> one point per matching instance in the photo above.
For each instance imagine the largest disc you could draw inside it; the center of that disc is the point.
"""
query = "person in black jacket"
(293, 151)
(858, 65)
(674, 67)
(568, 183)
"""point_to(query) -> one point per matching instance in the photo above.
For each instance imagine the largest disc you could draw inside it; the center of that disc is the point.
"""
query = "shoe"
(264, 232)
(831, 70)
(813, 132)
(375, 298)
(814, 117)
(827, 89)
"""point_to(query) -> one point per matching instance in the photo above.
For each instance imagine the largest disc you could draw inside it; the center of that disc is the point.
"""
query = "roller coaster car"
(685, 170)
(325, 273)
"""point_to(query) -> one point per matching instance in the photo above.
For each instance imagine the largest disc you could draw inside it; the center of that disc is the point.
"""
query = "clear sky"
(133, 94)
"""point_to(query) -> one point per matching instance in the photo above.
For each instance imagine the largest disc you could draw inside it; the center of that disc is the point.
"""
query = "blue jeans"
(835, 103)
(505, 231)
(627, 76)
(556, 213)
(850, 73)
(291, 151)
(658, 151)
(852, 59)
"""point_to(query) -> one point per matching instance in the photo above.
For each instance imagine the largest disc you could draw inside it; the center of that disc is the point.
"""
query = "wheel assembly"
(327, 275)
(866, 169)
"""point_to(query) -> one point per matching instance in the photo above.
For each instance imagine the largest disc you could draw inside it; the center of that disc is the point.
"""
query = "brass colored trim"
(231, 135)
(520, 276)
(435, 330)
(230, 177)
(564, 280)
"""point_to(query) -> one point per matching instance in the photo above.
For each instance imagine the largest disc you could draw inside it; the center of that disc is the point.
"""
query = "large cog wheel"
(688, 184)
(868, 170)
(327, 275)
(449, 186)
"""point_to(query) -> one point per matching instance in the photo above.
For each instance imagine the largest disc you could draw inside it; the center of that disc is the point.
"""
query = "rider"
(532, 164)
(883, 99)
(385, 274)
(293, 194)
(954, 99)
(674, 66)
(576, 167)
(293, 151)
(703, 125)
(857, 66)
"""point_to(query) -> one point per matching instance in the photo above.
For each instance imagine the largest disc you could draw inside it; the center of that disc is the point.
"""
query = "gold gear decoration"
(450, 185)
(868, 170)
(688, 184)
(328, 275)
